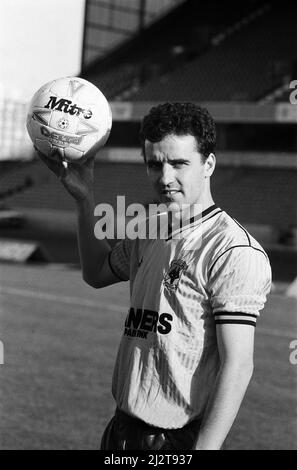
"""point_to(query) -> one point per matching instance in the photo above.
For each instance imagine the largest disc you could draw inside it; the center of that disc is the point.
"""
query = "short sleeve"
(239, 281)
(119, 259)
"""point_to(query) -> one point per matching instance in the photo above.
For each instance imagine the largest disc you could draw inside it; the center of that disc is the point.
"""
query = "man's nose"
(167, 175)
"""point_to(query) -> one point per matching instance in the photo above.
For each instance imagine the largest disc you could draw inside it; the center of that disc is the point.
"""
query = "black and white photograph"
(148, 227)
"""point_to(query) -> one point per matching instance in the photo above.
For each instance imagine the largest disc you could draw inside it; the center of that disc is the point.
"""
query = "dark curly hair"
(179, 119)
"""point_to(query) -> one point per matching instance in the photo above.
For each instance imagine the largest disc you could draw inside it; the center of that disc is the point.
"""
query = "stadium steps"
(185, 33)
(266, 195)
(55, 232)
(281, 94)
(232, 70)
(31, 184)
(239, 25)
(17, 177)
(116, 28)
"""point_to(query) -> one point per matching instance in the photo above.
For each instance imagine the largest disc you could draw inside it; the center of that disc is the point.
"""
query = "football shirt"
(213, 272)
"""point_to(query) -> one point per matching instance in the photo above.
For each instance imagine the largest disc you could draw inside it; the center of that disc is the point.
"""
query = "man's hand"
(77, 178)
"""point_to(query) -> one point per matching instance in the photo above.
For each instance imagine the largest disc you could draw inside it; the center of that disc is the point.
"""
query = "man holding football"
(186, 355)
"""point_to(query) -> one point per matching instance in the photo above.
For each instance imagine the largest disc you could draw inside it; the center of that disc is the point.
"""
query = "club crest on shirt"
(172, 277)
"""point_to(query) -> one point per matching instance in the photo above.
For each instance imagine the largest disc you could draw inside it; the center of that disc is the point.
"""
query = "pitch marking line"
(60, 298)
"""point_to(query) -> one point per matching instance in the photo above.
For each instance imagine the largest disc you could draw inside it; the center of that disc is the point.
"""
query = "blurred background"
(238, 59)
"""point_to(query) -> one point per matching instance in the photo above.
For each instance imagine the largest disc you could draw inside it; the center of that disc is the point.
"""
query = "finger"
(91, 153)
(54, 165)
(90, 163)
(82, 164)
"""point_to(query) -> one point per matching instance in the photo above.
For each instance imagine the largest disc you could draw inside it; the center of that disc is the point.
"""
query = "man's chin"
(181, 205)
(174, 204)
(176, 199)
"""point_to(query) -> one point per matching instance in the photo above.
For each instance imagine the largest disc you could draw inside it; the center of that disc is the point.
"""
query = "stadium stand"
(109, 24)
(236, 55)
(188, 32)
(267, 196)
(263, 199)
(245, 66)
(281, 94)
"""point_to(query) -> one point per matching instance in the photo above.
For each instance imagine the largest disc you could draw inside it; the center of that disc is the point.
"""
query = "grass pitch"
(60, 341)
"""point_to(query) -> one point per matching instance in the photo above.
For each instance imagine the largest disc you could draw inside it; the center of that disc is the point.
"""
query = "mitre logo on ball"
(67, 106)
(67, 118)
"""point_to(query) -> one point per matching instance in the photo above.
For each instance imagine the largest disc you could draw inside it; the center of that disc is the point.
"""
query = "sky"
(40, 40)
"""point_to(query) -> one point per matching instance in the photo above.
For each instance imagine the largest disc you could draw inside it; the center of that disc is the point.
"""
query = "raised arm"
(78, 180)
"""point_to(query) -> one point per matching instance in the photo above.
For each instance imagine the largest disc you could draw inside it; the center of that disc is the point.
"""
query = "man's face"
(176, 170)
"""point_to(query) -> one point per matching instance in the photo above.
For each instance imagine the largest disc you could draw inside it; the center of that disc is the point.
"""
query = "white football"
(67, 117)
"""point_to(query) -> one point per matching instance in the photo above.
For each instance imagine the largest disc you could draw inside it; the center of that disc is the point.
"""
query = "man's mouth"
(170, 192)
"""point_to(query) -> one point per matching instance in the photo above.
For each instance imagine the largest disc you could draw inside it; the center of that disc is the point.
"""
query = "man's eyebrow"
(155, 159)
(178, 160)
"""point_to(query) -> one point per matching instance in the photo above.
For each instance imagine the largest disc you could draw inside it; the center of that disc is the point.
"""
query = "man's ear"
(209, 165)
